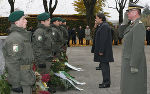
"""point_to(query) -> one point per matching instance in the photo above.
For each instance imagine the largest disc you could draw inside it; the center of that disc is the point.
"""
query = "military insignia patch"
(15, 48)
(53, 33)
(39, 38)
(140, 21)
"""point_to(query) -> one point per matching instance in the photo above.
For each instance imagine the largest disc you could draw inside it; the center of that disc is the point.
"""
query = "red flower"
(45, 77)
(34, 67)
(44, 92)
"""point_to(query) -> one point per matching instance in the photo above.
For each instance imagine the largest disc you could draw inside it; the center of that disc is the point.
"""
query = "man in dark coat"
(103, 48)
(133, 69)
(81, 35)
(73, 35)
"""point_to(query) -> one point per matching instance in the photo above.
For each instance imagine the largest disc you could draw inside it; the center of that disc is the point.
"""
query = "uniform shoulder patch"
(140, 21)
(39, 38)
(15, 48)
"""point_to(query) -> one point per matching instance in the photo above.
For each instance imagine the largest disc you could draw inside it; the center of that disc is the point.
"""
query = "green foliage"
(146, 10)
(32, 21)
(4, 86)
(79, 6)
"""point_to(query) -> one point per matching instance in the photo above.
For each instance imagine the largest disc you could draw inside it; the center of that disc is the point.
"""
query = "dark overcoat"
(103, 44)
(133, 55)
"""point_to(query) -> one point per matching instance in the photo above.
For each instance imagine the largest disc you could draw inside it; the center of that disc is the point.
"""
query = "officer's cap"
(55, 19)
(43, 16)
(15, 16)
(134, 6)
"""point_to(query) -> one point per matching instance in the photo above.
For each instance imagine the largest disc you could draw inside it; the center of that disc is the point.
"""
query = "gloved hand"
(134, 70)
(42, 65)
(19, 89)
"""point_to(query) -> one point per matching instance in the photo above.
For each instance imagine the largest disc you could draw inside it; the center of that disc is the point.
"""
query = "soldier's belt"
(25, 67)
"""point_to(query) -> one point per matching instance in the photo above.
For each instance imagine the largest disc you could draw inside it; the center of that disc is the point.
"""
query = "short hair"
(139, 11)
(101, 15)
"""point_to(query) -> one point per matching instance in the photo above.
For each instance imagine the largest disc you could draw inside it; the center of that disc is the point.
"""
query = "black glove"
(19, 89)
(42, 65)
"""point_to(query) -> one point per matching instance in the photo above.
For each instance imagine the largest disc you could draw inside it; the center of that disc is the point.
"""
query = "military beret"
(63, 20)
(55, 19)
(134, 6)
(43, 16)
(15, 16)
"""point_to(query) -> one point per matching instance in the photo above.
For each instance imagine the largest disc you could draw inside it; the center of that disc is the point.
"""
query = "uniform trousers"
(26, 90)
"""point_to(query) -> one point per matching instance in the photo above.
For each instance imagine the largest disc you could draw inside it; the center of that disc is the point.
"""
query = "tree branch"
(45, 5)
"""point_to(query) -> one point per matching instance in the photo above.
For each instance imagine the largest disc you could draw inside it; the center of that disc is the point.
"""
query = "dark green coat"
(65, 33)
(133, 55)
(18, 56)
(42, 43)
(57, 38)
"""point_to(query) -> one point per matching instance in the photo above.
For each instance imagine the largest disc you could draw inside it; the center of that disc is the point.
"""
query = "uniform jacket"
(57, 38)
(103, 44)
(18, 56)
(133, 55)
(42, 44)
(65, 33)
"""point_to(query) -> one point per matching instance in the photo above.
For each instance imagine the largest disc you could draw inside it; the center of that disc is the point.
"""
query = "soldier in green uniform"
(18, 55)
(64, 33)
(133, 70)
(56, 37)
(42, 43)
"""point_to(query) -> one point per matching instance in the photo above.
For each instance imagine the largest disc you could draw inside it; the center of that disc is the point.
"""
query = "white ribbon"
(72, 67)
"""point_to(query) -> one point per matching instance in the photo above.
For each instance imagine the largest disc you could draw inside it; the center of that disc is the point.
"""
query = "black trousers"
(105, 72)
(81, 41)
(87, 42)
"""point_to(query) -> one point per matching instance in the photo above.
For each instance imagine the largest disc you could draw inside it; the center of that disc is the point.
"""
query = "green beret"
(55, 19)
(43, 16)
(15, 16)
(60, 19)
(63, 20)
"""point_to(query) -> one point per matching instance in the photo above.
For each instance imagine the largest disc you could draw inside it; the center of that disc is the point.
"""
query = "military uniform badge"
(15, 48)
(140, 21)
(39, 38)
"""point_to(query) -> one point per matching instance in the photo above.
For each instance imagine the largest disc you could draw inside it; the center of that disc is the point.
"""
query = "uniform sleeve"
(13, 52)
(137, 46)
(103, 36)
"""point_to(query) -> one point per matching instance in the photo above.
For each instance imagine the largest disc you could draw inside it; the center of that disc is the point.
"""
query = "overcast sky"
(63, 7)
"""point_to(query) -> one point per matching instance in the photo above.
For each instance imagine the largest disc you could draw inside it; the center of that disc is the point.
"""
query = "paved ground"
(81, 57)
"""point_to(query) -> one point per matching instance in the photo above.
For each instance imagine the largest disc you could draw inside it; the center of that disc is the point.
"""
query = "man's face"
(22, 22)
(46, 22)
(98, 20)
(60, 22)
(57, 23)
(131, 14)
(64, 23)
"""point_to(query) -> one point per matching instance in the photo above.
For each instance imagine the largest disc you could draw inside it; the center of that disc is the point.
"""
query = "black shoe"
(104, 85)
(98, 68)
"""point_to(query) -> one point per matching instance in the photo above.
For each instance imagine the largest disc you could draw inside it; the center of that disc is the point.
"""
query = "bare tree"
(51, 8)
(120, 5)
(90, 6)
(11, 2)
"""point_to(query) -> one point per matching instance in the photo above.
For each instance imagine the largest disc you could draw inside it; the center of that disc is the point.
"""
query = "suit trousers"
(105, 72)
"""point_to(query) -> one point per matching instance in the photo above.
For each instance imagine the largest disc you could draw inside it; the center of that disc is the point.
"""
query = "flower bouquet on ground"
(41, 83)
